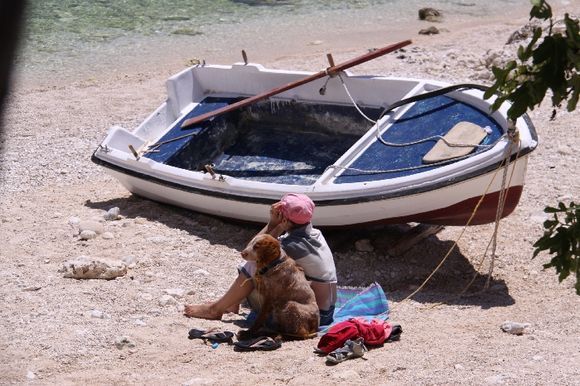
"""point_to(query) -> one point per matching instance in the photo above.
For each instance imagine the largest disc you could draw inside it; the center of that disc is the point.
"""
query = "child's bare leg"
(229, 302)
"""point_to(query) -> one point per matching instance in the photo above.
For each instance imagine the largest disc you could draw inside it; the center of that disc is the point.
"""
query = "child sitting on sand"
(290, 222)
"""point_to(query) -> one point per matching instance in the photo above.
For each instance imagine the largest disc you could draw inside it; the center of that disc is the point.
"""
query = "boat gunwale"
(315, 195)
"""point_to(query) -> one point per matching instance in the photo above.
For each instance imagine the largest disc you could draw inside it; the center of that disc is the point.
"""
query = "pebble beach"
(56, 329)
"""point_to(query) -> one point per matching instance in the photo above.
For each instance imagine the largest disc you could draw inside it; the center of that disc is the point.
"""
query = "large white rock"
(87, 235)
(90, 225)
(84, 267)
(112, 214)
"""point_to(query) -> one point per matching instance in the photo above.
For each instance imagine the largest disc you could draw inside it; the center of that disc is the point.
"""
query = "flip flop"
(262, 343)
(211, 335)
(351, 349)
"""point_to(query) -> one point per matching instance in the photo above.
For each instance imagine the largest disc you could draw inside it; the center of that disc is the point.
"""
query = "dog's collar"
(272, 264)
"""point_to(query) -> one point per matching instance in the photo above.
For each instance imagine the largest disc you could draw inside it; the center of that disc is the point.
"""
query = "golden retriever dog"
(285, 293)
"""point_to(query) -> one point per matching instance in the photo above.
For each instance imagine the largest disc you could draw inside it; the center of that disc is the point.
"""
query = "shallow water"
(68, 37)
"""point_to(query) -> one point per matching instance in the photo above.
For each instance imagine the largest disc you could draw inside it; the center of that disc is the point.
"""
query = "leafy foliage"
(562, 239)
(554, 65)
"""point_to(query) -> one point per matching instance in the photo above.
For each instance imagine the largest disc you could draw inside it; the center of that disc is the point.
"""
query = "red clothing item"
(374, 333)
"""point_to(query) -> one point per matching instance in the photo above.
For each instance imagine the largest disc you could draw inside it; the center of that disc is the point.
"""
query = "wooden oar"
(329, 71)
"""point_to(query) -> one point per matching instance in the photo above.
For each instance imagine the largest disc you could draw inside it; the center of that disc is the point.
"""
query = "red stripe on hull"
(459, 214)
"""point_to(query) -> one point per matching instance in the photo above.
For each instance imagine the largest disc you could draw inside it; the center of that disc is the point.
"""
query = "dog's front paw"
(245, 334)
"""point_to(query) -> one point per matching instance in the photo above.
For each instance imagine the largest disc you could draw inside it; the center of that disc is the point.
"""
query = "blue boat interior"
(293, 143)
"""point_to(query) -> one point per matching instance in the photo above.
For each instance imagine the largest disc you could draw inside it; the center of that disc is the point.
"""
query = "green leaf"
(541, 11)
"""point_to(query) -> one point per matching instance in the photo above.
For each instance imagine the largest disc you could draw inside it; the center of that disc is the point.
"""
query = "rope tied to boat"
(513, 140)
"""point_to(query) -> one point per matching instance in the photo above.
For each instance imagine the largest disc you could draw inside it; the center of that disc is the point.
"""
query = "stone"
(157, 239)
(514, 328)
(112, 214)
(166, 300)
(429, 31)
(84, 267)
(175, 292)
(201, 272)
(74, 221)
(199, 381)
(495, 379)
(146, 296)
(122, 342)
(30, 375)
(87, 235)
(364, 245)
(347, 375)
(97, 314)
(90, 225)
(108, 236)
(430, 14)
(129, 260)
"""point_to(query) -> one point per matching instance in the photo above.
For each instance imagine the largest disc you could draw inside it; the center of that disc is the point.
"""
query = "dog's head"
(263, 249)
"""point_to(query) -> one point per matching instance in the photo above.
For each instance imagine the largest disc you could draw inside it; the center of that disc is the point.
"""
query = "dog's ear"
(267, 248)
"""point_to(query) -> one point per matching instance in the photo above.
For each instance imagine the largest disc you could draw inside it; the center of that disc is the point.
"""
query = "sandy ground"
(55, 330)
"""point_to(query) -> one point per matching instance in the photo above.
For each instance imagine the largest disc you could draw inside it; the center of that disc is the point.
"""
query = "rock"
(89, 225)
(129, 260)
(87, 235)
(364, 245)
(492, 58)
(112, 214)
(429, 31)
(199, 381)
(30, 375)
(74, 221)
(166, 300)
(430, 14)
(523, 33)
(140, 220)
(495, 379)
(565, 150)
(514, 328)
(84, 267)
(175, 292)
(108, 236)
(122, 342)
(348, 375)
(146, 296)
(97, 314)
(139, 322)
(157, 239)
(201, 272)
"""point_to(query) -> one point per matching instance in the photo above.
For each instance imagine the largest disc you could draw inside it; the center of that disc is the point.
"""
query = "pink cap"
(297, 208)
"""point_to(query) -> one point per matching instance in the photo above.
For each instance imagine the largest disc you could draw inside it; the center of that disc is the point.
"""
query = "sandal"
(262, 343)
(351, 349)
(212, 335)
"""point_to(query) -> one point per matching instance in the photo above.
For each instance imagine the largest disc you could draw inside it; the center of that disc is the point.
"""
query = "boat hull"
(456, 204)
